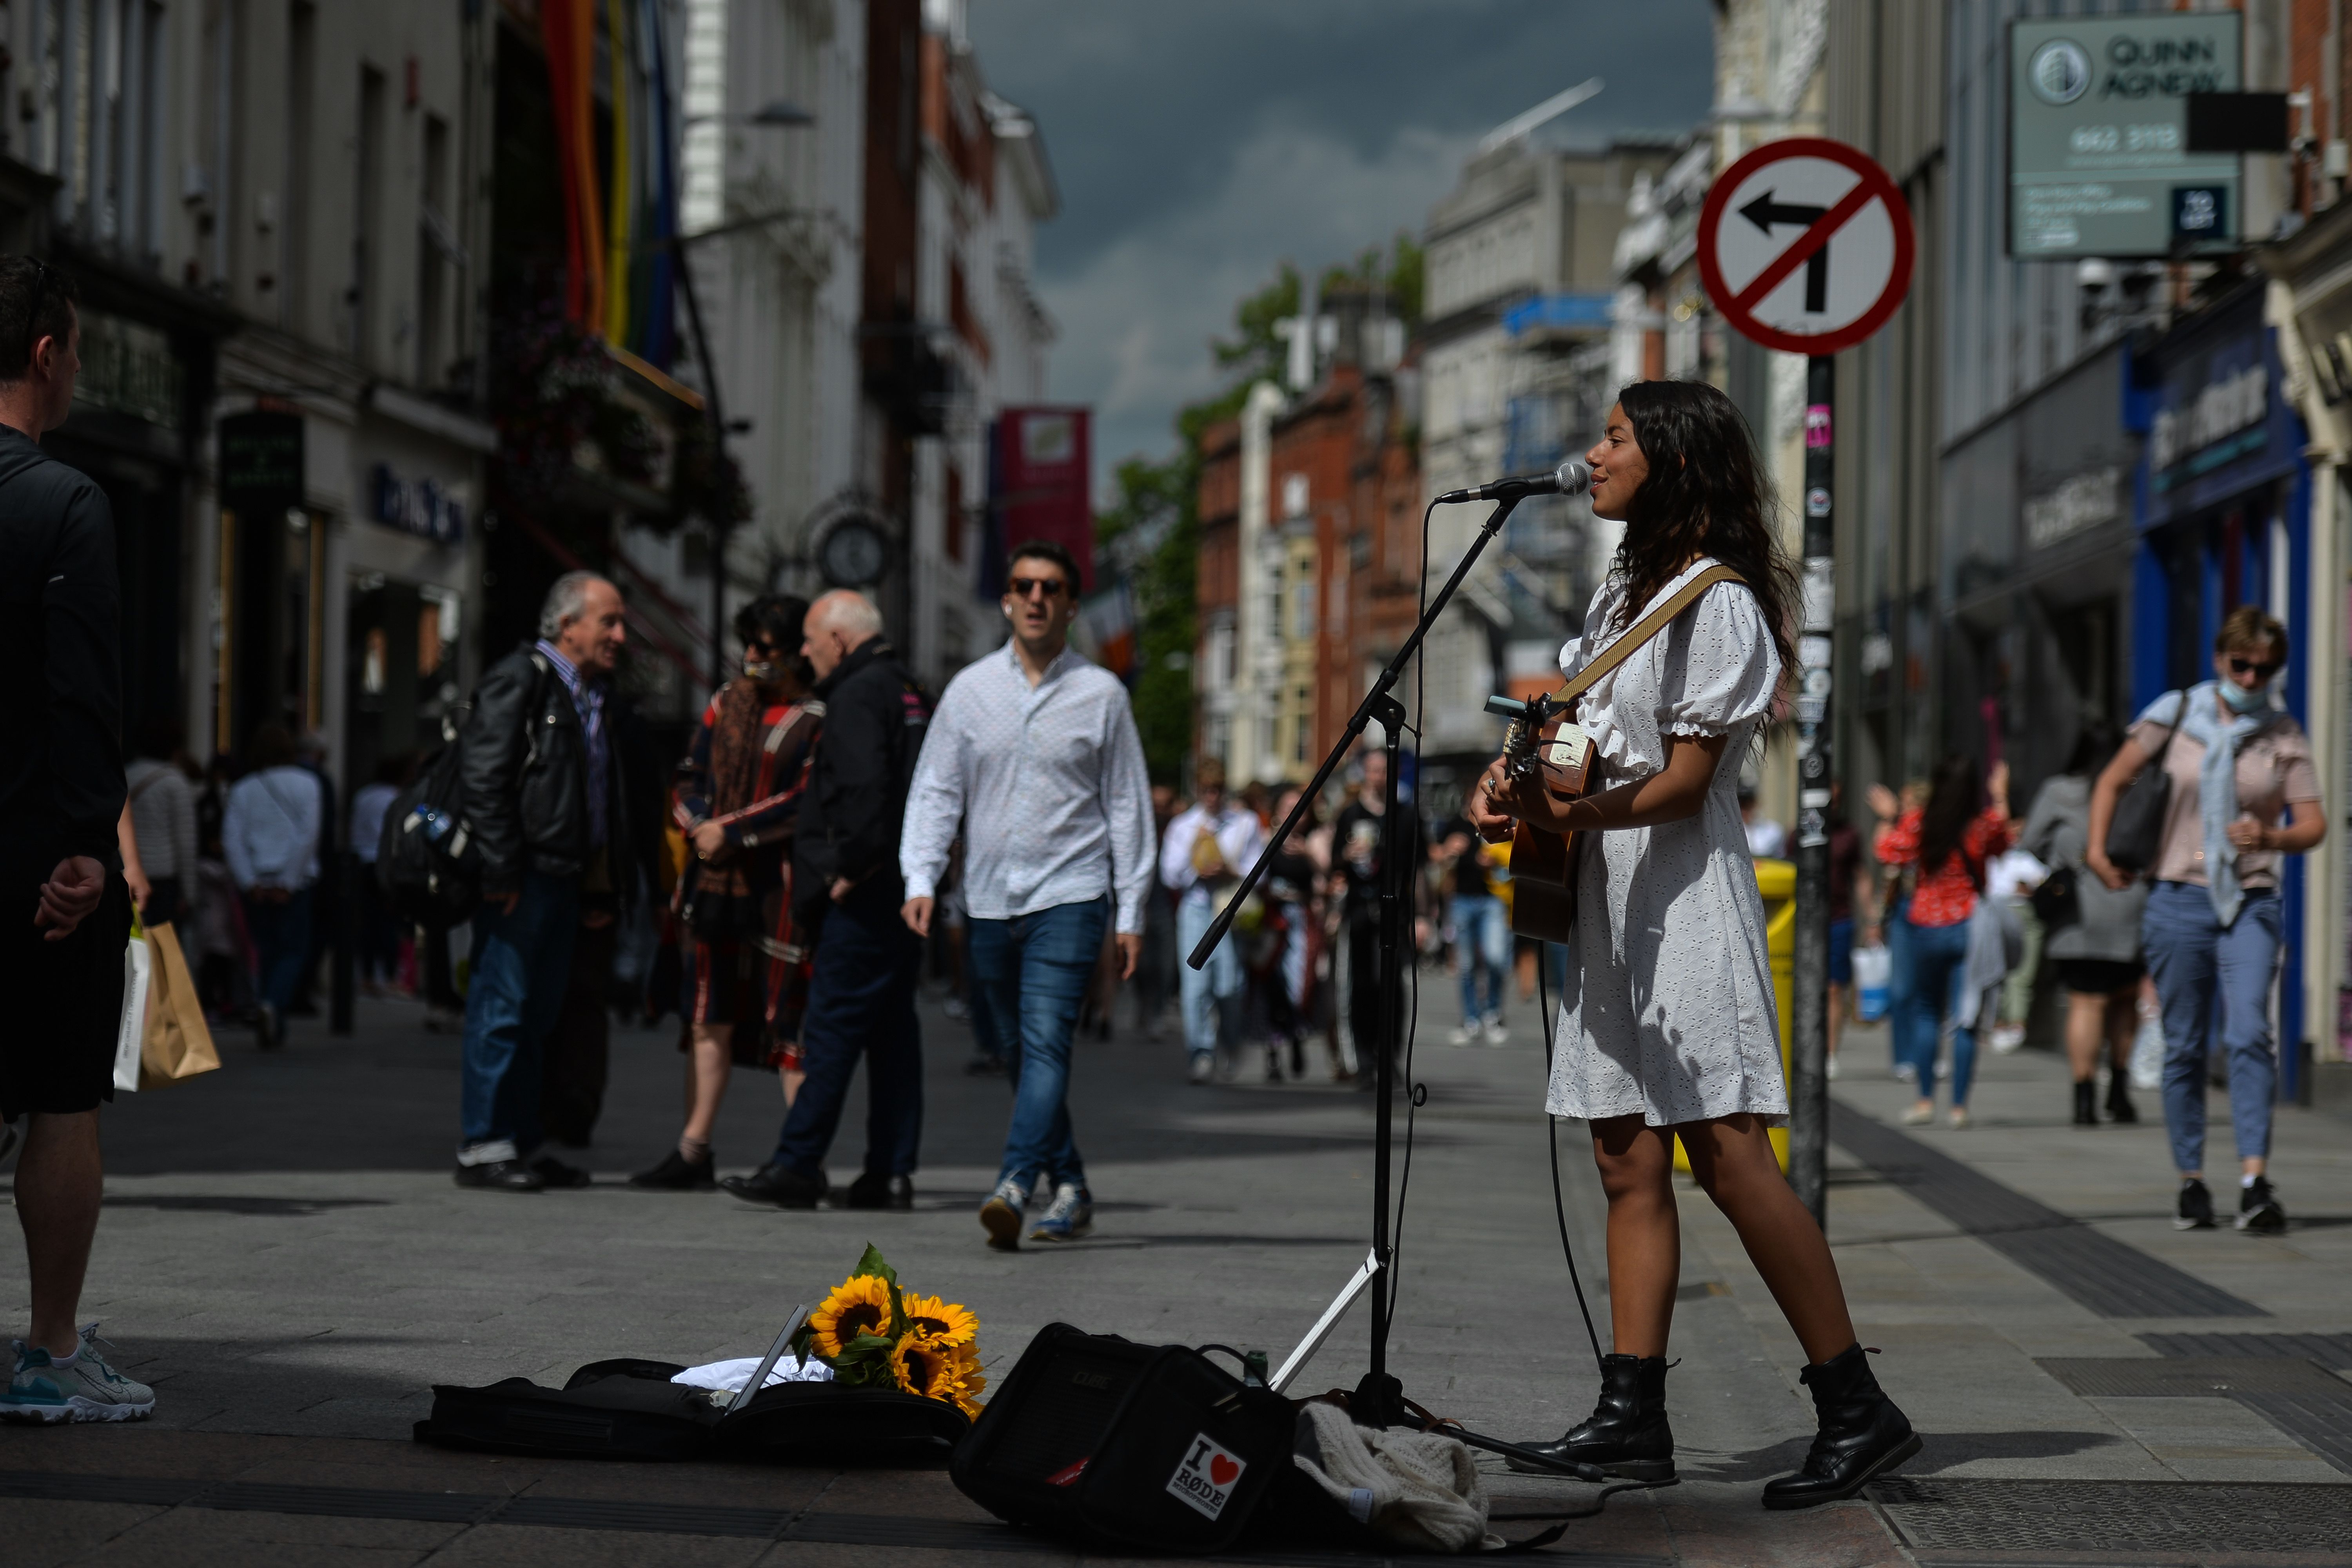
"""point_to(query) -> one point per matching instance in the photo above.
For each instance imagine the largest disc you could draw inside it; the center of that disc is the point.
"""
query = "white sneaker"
(1495, 1034)
(1203, 1069)
(1919, 1116)
(84, 1389)
(1829, 1069)
(1906, 1073)
(1002, 1215)
(1464, 1035)
(2007, 1038)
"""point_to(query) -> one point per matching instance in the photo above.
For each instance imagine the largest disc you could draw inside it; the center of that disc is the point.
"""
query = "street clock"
(854, 555)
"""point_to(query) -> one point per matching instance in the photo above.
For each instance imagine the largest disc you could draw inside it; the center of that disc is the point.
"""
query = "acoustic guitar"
(1546, 743)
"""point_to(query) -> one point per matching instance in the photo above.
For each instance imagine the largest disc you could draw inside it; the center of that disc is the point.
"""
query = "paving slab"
(285, 1257)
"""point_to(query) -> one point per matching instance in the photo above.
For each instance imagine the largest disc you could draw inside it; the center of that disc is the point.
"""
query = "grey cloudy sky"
(1200, 142)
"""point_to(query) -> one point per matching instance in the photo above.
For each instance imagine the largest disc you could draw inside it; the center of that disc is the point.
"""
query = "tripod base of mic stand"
(1379, 1401)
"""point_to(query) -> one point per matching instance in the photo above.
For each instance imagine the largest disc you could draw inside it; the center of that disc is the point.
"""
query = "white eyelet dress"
(1668, 1011)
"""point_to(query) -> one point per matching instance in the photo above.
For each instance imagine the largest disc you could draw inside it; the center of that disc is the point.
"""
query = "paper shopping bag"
(177, 1042)
(130, 1032)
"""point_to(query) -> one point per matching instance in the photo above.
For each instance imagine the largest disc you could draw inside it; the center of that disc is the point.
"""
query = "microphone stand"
(1379, 1398)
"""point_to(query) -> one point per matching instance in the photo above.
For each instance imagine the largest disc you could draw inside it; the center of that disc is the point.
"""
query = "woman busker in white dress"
(1668, 1029)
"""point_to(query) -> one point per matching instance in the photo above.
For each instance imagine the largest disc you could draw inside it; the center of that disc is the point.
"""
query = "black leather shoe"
(873, 1191)
(676, 1173)
(2086, 1100)
(500, 1176)
(1627, 1436)
(776, 1184)
(1862, 1435)
(554, 1173)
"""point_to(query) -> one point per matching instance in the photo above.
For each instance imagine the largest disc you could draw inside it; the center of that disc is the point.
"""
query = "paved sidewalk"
(285, 1257)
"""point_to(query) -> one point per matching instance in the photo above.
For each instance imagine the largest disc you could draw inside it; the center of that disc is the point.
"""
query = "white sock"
(2248, 1181)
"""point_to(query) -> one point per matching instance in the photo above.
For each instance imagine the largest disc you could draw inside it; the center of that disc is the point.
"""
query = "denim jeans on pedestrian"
(1029, 974)
(1939, 966)
(281, 942)
(521, 964)
(1211, 990)
(1482, 943)
(2201, 969)
(861, 1003)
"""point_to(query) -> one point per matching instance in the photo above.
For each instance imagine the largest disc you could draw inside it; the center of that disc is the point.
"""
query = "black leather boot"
(1862, 1435)
(2119, 1100)
(2086, 1103)
(1627, 1436)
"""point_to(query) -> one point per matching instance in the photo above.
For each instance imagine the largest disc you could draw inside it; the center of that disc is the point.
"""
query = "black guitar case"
(628, 1409)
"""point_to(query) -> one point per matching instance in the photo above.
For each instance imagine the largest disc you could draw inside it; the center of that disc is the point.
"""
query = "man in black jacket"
(846, 887)
(65, 913)
(548, 818)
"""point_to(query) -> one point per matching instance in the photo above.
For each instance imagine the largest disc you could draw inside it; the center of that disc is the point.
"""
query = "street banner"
(1043, 462)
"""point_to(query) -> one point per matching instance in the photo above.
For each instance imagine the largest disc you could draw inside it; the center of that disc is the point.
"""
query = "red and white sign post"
(1805, 245)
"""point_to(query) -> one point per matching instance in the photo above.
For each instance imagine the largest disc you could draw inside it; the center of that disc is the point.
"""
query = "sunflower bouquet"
(873, 1335)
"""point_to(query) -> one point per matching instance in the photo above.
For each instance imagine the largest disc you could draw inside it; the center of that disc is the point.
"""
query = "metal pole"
(1395, 846)
(718, 455)
(1808, 1096)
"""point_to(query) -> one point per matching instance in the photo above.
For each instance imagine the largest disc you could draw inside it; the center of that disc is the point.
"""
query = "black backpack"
(425, 860)
(1100, 1440)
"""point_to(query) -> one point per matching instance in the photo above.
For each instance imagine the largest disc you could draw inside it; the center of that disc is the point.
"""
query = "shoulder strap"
(1642, 631)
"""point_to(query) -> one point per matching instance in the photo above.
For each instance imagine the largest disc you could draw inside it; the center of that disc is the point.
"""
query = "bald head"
(839, 624)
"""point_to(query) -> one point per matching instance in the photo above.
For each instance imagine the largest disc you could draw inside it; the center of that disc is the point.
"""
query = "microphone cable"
(1552, 1147)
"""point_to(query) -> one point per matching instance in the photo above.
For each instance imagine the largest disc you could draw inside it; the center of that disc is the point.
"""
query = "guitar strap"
(1641, 632)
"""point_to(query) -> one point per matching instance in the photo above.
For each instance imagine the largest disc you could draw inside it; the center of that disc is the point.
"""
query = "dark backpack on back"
(425, 860)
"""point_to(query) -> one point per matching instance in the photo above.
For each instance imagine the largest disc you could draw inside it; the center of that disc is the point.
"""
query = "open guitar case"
(628, 1409)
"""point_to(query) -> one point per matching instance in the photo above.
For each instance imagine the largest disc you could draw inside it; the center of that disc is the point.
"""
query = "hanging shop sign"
(2098, 136)
(128, 367)
(1805, 245)
(2219, 425)
(261, 462)
(418, 506)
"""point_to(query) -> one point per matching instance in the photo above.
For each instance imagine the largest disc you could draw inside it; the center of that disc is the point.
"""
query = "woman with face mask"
(737, 807)
(2244, 792)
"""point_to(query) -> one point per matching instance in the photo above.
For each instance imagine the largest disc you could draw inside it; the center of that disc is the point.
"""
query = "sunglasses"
(1022, 587)
(2262, 668)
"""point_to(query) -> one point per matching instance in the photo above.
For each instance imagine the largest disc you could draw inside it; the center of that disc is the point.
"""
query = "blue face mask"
(2242, 700)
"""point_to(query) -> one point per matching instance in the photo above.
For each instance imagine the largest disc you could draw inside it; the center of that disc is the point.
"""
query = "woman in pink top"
(2244, 792)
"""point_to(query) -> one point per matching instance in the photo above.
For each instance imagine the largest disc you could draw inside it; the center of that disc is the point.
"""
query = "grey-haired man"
(543, 805)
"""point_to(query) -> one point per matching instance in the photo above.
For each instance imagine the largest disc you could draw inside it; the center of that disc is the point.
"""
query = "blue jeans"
(861, 1003)
(1482, 939)
(281, 941)
(1210, 990)
(520, 967)
(2201, 969)
(1028, 976)
(1936, 957)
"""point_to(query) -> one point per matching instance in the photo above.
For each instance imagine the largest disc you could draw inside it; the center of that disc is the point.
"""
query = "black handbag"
(2135, 831)
(2056, 901)
(1100, 1440)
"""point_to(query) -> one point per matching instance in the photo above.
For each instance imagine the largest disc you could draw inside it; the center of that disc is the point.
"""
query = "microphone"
(1572, 477)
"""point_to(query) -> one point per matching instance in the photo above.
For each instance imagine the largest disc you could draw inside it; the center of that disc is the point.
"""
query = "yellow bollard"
(1777, 880)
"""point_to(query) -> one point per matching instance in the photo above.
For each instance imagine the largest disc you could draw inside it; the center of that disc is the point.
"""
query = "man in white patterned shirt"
(1033, 754)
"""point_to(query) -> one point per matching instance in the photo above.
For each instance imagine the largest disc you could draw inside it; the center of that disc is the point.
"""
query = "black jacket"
(61, 705)
(523, 763)
(875, 716)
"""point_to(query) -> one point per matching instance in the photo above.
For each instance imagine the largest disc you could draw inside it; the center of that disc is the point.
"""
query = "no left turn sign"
(1805, 245)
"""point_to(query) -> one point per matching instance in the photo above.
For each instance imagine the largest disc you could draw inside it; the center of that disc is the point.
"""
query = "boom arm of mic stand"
(1364, 711)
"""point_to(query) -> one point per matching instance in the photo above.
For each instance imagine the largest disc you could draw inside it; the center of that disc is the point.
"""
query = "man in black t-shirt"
(1356, 858)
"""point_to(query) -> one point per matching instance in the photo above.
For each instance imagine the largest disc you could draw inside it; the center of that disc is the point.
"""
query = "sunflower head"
(921, 1367)
(859, 1305)
(940, 1322)
(968, 1378)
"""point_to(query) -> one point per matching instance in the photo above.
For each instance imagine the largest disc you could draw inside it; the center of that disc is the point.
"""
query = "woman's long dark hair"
(2094, 746)
(1952, 804)
(1707, 495)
